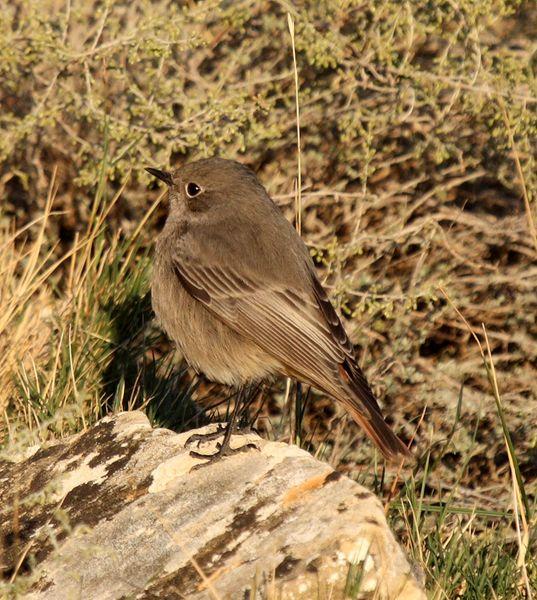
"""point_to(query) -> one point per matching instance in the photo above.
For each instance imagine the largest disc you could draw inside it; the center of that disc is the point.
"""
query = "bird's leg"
(298, 412)
(224, 448)
(220, 429)
(232, 421)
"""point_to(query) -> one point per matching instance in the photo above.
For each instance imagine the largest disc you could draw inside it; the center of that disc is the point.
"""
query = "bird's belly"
(207, 344)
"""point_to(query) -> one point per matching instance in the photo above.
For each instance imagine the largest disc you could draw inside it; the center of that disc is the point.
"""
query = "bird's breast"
(209, 345)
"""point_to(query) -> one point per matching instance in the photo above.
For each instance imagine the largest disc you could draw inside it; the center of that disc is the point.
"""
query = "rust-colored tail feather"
(371, 420)
(380, 433)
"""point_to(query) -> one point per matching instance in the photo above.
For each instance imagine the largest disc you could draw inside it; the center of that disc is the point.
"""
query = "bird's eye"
(192, 189)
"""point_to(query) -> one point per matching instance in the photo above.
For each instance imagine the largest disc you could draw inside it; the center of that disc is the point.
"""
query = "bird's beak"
(163, 175)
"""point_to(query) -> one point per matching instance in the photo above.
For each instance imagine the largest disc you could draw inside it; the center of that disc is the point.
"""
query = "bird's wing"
(279, 320)
(302, 331)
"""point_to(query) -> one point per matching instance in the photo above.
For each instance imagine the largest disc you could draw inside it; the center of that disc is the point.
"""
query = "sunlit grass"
(416, 196)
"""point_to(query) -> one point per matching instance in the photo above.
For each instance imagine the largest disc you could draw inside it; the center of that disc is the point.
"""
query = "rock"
(117, 512)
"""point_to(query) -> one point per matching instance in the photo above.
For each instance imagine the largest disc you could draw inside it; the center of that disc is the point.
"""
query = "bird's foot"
(206, 437)
(218, 432)
(222, 451)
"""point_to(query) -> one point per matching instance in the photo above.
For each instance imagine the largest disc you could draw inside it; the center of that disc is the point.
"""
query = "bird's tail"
(359, 397)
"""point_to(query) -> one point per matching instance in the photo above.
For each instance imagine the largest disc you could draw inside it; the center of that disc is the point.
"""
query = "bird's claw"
(222, 452)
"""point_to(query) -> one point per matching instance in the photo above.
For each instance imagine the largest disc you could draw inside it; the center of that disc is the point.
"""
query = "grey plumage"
(234, 286)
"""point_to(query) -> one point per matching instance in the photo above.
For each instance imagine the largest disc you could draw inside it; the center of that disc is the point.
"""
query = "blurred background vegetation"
(419, 190)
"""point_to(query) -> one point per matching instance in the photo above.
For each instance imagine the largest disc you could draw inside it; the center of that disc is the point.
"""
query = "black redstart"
(234, 286)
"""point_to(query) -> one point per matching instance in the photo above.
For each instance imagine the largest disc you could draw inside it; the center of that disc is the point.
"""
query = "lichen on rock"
(117, 511)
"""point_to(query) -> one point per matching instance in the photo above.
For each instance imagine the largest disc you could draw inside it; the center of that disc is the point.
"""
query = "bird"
(234, 286)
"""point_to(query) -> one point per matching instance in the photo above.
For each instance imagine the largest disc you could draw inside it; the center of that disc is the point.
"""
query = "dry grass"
(417, 200)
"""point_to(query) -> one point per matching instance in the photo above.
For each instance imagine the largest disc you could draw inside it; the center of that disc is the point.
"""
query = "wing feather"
(290, 325)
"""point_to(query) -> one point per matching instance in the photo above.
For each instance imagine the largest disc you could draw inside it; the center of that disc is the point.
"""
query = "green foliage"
(156, 74)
